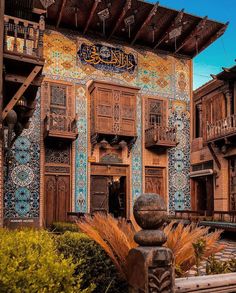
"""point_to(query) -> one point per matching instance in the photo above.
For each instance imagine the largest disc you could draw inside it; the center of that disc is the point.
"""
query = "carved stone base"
(150, 270)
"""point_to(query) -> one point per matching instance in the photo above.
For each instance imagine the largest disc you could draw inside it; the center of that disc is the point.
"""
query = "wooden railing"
(213, 283)
(221, 128)
(60, 126)
(23, 37)
(160, 136)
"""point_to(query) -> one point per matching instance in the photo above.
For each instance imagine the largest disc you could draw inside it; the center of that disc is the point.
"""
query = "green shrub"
(30, 263)
(214, 266)
(96, 266)
(62, 227)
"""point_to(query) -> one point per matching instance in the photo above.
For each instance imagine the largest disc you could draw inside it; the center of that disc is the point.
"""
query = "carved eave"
(146, 22)
(121, 17)
(91, 14)
(217, 34)
(195, 34)
(176, 19)
(136, 22)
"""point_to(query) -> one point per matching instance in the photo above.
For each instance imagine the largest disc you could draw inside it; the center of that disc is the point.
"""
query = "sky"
(222, 53)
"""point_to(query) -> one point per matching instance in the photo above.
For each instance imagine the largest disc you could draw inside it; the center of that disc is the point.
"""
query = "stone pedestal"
(150, 266)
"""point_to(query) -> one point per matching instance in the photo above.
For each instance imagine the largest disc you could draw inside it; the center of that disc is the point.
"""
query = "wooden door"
(57, 202)
(99, 194)
(210, 195)
(154, 181)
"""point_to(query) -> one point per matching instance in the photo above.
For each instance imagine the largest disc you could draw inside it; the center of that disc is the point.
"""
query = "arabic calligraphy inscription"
(107, 58)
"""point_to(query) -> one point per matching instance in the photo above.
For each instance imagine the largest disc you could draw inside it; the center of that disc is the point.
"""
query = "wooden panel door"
(57, 202)
(99, 194)
(50, 195)
(154, 181)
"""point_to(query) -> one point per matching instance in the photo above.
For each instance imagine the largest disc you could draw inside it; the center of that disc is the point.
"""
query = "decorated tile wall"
(22, 176)
(160, 75)
(81, 151)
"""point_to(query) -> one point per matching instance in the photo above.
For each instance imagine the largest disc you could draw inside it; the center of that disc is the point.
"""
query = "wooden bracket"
(21, 91)
(214, 155)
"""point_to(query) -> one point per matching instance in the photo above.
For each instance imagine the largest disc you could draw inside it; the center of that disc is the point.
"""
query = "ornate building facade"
(213, 147)
(111, 119)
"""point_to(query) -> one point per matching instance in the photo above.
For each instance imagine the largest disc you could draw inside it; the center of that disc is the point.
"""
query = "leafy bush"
(96, 266)
(30, 263)
(116, 237)
(62, 227)
(214, 266)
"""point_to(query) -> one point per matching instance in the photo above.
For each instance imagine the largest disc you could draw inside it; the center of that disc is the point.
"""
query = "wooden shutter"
(128, 114)
(104, 102)
(99, 194)
(218, 107)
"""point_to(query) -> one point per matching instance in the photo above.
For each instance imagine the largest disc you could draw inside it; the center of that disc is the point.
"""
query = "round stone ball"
(150, 211)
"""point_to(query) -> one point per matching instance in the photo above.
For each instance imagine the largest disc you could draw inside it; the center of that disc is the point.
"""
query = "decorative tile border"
(137, 155)
(81, 164)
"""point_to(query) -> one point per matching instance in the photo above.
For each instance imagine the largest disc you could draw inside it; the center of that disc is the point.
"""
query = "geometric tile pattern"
(137, 155)
(81, 151)
(179, 163)
(22, 177)
(160, 75)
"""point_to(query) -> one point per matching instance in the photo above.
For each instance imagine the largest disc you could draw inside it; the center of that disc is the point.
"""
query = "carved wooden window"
(155, 112)
(58, 99)
(113, 110)
(214, 109)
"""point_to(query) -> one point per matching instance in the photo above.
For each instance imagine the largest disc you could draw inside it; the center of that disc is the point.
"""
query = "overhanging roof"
(217, 81)
(136, 22)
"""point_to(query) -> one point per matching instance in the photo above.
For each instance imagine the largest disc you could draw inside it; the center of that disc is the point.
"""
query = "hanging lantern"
(22, 104)
(128, 22)
(103, 16)
(103, 144)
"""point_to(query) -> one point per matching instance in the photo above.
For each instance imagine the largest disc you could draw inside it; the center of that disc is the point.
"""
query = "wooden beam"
(146, 22)
(21, 91)
(2, 3)
(94, 7)
(61, 12)
(196, 30)
(166, 31)
(215, 36)
(214, 155)
(126, 7)
(20, 79)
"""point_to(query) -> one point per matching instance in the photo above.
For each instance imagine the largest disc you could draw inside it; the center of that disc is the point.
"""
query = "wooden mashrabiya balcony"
(60, 126)
(23, 39)
(160, 136)
(222, 129)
